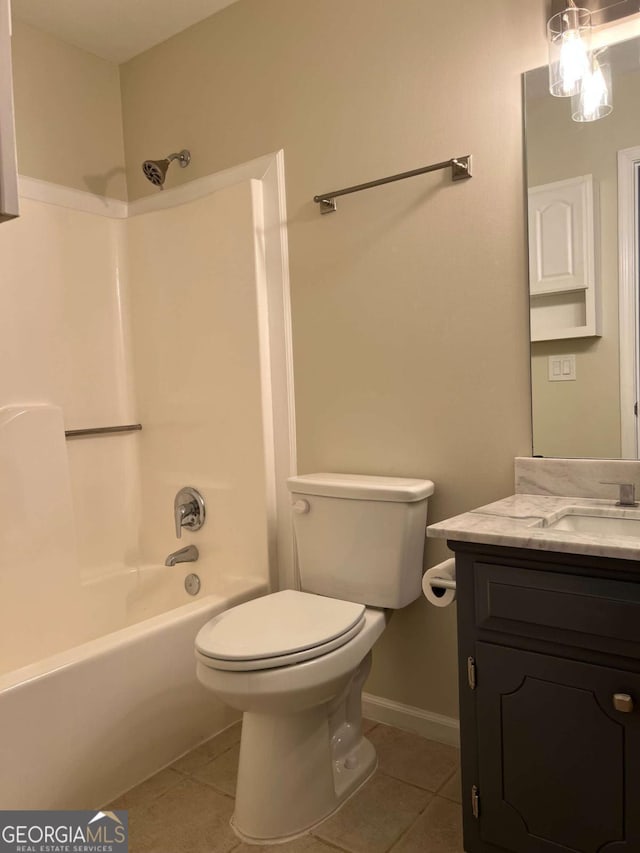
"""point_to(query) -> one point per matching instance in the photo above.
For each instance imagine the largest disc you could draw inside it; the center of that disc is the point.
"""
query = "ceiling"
(602, 11)
(115, 29)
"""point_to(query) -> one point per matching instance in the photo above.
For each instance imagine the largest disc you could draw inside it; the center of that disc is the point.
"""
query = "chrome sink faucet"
(184, 555)
(627, 493)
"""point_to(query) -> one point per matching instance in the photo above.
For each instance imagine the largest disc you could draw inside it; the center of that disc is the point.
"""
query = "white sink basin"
(597, 525)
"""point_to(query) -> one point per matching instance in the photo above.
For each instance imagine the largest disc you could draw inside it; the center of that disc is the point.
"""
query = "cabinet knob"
(623, 702)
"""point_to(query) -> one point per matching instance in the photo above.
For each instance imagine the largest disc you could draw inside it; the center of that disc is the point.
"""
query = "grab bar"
(76, 433)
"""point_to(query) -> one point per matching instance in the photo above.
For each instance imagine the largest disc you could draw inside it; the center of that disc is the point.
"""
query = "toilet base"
(300, 804)
(297, 769)
(250, 839)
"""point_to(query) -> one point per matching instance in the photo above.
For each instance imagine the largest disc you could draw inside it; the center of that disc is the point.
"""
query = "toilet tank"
(360, 538)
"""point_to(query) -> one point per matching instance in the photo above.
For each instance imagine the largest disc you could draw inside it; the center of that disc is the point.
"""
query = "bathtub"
(82, 726)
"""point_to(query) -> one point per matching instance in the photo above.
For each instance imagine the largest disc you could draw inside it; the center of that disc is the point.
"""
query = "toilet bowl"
(295, 661)
(301, 729)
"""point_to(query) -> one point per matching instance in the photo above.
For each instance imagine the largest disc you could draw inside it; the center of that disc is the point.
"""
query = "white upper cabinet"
(8, 163)
(562, 260)
(561, 256)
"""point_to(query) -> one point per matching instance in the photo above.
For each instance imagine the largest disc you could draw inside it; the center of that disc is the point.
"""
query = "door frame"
(628, 250)
(9, 205)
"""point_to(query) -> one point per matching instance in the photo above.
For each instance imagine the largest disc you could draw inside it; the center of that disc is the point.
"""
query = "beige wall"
(409, 304)
(68, 114)
(582, 418)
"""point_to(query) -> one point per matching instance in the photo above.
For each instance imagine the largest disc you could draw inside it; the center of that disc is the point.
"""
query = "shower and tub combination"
(170, 315)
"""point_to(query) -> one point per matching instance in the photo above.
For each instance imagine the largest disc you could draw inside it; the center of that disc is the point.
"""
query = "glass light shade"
(569, 36)
(595, 98)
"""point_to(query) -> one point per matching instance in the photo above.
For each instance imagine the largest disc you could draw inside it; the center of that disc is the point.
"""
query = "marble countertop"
(520, 521)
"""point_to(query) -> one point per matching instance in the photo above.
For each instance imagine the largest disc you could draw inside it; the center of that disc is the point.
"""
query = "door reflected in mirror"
(583, 196)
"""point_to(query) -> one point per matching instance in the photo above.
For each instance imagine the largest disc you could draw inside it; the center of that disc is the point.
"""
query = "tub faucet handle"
(188, 510)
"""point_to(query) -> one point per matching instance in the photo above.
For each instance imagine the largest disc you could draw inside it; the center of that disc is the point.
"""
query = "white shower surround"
(275, 308)
(86, 724)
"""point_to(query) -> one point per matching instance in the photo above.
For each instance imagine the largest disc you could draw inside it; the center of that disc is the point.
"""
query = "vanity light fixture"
(594, 100)
(569, 37)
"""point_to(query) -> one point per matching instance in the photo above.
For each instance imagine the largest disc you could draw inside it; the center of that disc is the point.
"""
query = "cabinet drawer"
(527, 602)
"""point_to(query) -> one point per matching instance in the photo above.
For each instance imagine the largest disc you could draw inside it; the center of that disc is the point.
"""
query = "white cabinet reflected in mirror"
(584, 195)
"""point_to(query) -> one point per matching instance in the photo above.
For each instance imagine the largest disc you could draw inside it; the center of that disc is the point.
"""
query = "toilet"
(295, 661)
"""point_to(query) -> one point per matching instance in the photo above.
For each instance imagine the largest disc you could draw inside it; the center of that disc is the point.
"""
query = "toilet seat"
(278, 630)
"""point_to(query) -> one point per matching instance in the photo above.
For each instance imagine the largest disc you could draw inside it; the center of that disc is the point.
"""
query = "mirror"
(582, 181)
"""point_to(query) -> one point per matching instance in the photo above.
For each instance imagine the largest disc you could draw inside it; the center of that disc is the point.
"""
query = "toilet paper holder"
(441, 583)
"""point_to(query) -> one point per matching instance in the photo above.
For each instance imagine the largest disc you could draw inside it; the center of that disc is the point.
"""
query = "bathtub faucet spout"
(184, 555)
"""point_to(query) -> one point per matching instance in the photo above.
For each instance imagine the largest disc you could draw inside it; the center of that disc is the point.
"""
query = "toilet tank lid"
(361, 486)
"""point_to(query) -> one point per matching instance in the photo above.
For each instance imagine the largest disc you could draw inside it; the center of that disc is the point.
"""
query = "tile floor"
(410, 805)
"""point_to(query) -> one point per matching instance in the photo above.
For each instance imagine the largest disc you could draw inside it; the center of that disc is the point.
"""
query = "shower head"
(156, 170)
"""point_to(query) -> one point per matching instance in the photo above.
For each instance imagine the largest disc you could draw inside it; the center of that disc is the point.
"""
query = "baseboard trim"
(433, 726)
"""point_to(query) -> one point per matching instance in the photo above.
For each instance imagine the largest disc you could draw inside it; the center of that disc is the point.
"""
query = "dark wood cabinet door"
(559, 767)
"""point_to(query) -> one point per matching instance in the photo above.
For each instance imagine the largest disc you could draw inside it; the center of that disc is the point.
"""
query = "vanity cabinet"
(549, 653)
(8, 164)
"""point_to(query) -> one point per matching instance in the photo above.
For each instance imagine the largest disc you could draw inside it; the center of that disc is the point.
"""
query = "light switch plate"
(562, 368)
